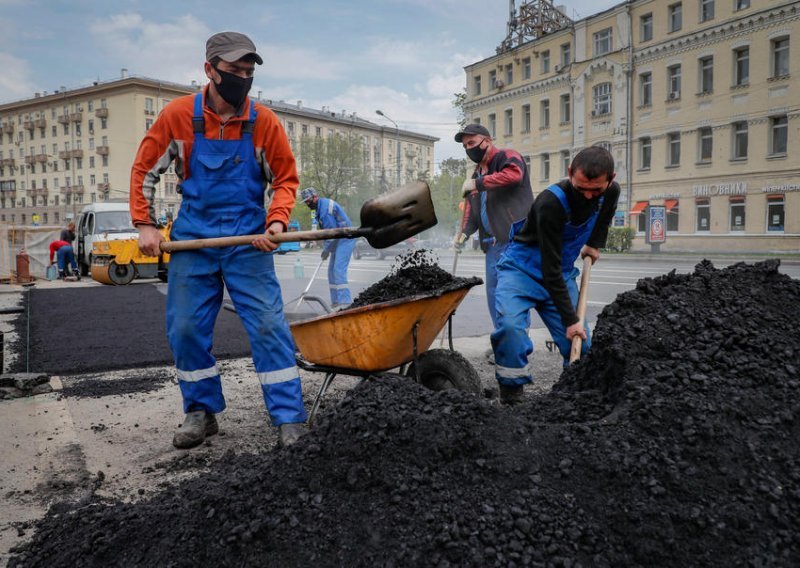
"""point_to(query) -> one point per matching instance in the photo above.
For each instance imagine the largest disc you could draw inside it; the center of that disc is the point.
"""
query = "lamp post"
(397, 138)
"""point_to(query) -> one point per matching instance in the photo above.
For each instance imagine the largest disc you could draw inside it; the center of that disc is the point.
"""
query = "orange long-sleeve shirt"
(171, 137)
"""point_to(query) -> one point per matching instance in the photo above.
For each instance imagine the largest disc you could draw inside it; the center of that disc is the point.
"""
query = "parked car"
(291, 246)
(363, 248)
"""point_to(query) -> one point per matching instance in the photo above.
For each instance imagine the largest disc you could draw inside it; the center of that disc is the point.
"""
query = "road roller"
(117, 263)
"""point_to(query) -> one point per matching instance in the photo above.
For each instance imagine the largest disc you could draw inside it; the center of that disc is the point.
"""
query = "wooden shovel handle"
(286, 237)
(583, 299)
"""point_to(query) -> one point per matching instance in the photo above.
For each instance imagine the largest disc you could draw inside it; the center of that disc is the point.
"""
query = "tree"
(459, 100)
(446, 195)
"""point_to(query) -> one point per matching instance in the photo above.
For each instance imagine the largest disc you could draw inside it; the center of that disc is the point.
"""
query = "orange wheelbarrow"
(370, 340)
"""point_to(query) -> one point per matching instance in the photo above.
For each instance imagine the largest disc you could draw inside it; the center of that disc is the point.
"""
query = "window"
(778, 137)
(741, 66)
(706, 10)
(602, 42)
(476, 85)
(509, 74)
(148, 105)
(492, 79)
(739, 140)
(544, 112)
(103, 123)
(675, 12)
(148, 123)
(565, 162)
(742, 4)
(645, 152)
(566, 55)
(646, 89)
(706, 65)
(780, 57)
(526, 68)
(566, 110)
(674, 82)
(544, 60)
(601, 99)
(775, 212)
(737, 214)
(544, 162)
(646, 27)
(492, 126)
(526, 118)
(508, 120)
(54, 130)
(674, 149)
(705, 140)
(702, 214)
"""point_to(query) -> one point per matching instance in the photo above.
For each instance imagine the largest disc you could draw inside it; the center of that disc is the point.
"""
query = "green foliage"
(458, 103)
(446, 195)
(620, 239)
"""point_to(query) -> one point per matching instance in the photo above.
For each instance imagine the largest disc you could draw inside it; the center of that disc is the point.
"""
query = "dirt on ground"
(673, 443)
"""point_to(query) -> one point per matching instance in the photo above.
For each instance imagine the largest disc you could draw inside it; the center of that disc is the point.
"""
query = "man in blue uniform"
(537, 270)
(330, 215)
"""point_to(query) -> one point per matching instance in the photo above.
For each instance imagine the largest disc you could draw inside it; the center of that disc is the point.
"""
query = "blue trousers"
(194, 298)
(492, 258)
(517, 293)
(337, 272)
(64, 255)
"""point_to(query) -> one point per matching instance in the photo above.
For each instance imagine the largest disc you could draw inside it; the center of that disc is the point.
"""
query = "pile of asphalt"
(415, 272)
(673, 443)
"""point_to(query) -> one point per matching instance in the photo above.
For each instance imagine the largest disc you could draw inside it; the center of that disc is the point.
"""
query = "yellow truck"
(118, 262)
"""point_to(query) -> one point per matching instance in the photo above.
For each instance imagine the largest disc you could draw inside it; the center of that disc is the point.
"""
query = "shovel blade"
(396, 216)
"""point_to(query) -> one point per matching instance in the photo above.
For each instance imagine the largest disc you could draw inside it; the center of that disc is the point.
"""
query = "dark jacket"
(508, 197)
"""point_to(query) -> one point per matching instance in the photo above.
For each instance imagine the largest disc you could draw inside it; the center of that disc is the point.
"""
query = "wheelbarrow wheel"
(442, 369)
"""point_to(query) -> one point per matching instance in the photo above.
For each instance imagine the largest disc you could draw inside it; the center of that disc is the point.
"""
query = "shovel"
(385, 221)
(457, 252)
(310, 282)
(583, 299)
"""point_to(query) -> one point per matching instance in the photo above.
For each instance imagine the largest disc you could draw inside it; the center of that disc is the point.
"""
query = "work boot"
(61, 275)
(196, 426)
(511, 395)
(288, 434)
(78, 275)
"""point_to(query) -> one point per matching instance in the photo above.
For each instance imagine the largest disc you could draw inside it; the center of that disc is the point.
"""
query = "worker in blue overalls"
(567, 220)
(228, 150)
(330, 215)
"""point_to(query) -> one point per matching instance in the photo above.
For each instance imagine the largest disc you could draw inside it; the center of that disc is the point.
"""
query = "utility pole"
(397, 138)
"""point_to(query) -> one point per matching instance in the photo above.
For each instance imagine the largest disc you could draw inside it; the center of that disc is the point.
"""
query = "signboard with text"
(656, 224)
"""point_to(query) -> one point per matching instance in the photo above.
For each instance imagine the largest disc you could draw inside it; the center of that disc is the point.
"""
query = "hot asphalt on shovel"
(385, 221)
(583, 299)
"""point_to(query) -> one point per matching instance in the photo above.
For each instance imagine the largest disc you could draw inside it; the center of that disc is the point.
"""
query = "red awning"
(736, 199)
(778, 197)
(670, 204)
(639, 207)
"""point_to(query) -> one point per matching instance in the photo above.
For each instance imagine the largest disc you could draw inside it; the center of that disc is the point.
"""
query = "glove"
(325, 254)
(459, 242)
(468, 187)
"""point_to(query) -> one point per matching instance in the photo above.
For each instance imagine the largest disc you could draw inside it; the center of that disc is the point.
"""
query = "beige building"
(692, 97)
(61, 150)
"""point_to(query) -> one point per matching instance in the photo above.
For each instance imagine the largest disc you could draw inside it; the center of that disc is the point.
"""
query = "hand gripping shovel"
(385, 221)
(583, 299)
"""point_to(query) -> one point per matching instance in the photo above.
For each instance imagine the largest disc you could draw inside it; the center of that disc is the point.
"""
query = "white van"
(106, 221)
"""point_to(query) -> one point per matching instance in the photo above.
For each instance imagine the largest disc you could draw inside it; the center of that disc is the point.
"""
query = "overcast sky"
(405, 57)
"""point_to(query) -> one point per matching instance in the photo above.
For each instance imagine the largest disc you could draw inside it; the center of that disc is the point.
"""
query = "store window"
(737, 214)
(775, 213)
(703, 215)
(637, 214)
(673, 212)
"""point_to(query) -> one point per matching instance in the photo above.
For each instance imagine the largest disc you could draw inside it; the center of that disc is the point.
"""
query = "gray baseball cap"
(230, 47)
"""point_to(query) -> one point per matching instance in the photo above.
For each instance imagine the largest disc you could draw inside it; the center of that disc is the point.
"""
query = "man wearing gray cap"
(230, 153)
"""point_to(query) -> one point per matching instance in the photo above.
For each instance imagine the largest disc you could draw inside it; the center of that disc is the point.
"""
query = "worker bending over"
(567, 220)
(330, 215)
(228, 152)
(64, 254)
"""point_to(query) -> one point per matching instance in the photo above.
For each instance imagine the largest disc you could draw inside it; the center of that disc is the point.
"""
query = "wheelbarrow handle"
(583, 299)
(286, 237)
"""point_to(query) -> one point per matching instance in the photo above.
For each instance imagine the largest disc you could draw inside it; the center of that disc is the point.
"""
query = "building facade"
(61, 150)
(692, 97)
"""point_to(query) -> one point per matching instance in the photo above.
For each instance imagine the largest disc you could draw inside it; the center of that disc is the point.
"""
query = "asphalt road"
(611, 276)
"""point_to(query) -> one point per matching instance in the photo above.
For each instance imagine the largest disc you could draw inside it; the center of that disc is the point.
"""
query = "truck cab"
(106, 221)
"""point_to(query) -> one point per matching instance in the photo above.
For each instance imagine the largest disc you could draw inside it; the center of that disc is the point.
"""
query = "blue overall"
(223, 197)
(330, 215)
(521, 287)
(65, 255)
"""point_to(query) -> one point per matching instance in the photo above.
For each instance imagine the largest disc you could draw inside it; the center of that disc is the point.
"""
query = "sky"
(404, 57)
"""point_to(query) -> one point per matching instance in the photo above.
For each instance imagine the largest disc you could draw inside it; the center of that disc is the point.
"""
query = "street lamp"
(397, 137)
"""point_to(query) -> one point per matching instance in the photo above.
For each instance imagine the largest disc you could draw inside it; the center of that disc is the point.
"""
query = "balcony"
(37, 123)
(76, 117)
(63, 119)
(71, 189)
(102, 150)
(37, 191)
(29, 160)
(42, 158)
(104, 187)
(6, 193)
(8, 129)
(68, 154)
(8, 163)
(101, 113)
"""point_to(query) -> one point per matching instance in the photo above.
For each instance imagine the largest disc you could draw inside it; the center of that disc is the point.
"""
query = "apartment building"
(692, 97)
(62, 149)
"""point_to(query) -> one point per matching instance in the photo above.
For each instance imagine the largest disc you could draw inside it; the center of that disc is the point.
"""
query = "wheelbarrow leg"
(329, 376)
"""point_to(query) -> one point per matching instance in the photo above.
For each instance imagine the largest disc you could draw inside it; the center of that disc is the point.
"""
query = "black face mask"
(232, 88)
(476, 153)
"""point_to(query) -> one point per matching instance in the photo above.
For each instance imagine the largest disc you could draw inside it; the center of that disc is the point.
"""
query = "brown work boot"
(196, 426)
(511, 395)
(288, 434)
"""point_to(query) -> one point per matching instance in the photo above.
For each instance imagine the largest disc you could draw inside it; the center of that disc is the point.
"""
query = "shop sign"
(656, 224)
(781, 188)
(711, 189)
